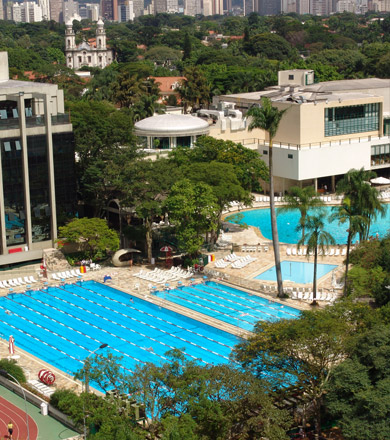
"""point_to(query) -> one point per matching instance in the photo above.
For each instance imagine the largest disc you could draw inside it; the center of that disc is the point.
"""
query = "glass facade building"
(352, 119)
(37, 167)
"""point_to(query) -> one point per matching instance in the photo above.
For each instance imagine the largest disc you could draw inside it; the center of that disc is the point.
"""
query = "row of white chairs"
(308, 296)
(254, 248)
(16, 282)
(59, 276)
(243, 261)
(330, 252)
(163, 276)
(222, 263)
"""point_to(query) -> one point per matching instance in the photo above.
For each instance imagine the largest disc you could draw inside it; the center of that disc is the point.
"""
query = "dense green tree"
(317, 239)
(92, 235)
(145, 185)
(104, 145)
(301, 199)
(358, 393)
(248, 165)
(194, 90)
(268, 118)
(193, 209)
(271, 46)
(300, 354)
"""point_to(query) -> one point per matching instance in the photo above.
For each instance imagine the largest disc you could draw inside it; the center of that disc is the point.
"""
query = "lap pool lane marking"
(9, 411)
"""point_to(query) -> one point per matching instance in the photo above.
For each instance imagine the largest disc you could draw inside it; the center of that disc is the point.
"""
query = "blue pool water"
(63, 325)
(288, 222)
(297, 272)
(228, 304)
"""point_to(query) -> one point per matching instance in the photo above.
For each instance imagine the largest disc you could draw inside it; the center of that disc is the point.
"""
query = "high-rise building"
(212, 7)
(192, 7)
(126, 11)
(109, 9)
(37, 163)
(89, 10)
(56, 10)
(26, 12)
(92, 54)
(70, 11)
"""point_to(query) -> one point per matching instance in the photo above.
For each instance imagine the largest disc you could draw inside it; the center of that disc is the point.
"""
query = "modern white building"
(37, 176)
(87, 53)
(165, 132)
(328, 128)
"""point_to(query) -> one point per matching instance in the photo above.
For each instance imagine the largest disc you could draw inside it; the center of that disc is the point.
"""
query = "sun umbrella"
(166, 249)
(11, 345)
(380, 181)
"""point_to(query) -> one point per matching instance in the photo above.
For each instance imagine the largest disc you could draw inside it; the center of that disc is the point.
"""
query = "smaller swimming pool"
(297, 272)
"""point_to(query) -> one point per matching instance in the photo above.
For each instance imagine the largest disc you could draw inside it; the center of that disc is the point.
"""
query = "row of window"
(352, 119)
(380, 154)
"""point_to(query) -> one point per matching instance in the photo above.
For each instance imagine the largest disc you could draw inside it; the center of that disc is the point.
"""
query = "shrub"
(11, 367)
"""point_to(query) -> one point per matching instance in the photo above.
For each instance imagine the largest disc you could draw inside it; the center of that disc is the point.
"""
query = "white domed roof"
(100, 22)
(161, 125)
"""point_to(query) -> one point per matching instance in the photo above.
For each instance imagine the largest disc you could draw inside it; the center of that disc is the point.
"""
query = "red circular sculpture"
(47, 377)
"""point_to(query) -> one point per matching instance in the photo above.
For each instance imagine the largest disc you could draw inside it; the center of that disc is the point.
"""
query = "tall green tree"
(363, 198)
(268, 119)
(193, 209)
(145, 185)
(316, 239)
(301, 199)
(194, 90)
(344, 214)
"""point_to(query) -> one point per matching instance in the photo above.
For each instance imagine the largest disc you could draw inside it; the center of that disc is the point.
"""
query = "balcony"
(9, 124)
(60, 118)
(35, 121)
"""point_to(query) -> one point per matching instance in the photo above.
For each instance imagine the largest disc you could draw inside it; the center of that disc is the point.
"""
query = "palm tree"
(363, 198)
(315, 238)
(344, 214)
(268, 118)
(302, 199)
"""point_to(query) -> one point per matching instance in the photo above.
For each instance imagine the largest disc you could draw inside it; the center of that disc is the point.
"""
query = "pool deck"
(123, 279)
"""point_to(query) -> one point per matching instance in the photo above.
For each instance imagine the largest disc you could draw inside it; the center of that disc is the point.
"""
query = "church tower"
(100, 36)
(70, 44)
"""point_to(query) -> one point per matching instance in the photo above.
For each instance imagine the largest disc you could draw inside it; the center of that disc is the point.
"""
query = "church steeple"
(100, 35)
(70, 37)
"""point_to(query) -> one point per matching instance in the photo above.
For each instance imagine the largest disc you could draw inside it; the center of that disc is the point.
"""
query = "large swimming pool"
(63, 325)
(288, 222)
(296, 271)
(229, 304)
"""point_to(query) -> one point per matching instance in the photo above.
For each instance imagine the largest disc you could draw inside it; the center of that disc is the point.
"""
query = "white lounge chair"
(344, 252)
(294, 251)
(2, 285)
(337, 252)
(288, 251)
(331, 252)
(21, 281)
(11, 283)
(55, 277)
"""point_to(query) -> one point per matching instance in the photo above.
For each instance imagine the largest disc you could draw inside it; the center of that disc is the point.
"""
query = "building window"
(380, 154)
(39, 188)
(290, 156)
(265, 152)
(351, 119)
(290, 76)
(89, 59)
(13, 192)
(183, 141)
(80, 59)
